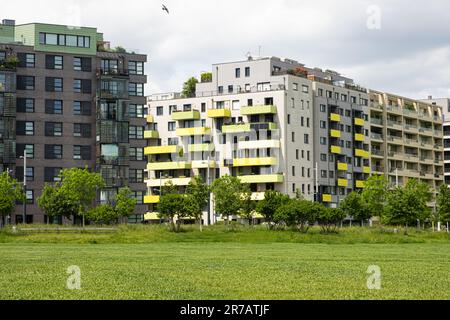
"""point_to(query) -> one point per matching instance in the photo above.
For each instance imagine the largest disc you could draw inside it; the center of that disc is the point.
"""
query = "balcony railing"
(376, 136)
(113, 72)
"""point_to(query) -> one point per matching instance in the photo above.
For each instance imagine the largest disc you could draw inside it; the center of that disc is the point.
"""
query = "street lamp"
(24, 213)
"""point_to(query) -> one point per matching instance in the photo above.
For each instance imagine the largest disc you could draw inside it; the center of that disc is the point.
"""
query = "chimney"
(7, 22)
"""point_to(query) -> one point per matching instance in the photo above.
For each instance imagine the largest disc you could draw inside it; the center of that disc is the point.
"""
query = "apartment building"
(272, 122)
(406, 139)
(70, 101)
(444, 103)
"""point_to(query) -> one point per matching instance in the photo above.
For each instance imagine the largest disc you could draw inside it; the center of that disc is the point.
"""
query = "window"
(353, 99)
(136, 67)
(323, 157)
(53, 151)
(136, 89)
(139, 196)
(53, 84)
(293, 171)
(237, 72)
(230, 88)
(26, 60)
(30, 196)
(25, 105)
(53, 129)
(297, 154)
(320, 92)
(171, 126)
(82, 108)
(159, 111)
(323, 124)
(137, 154)
(306, 139)
(52, 174)
(343, 97)
(293, 136)
(295, 86)
(82, 64)
(53, 107)
(29, 175)
(247, 71)
(203, 107)
(305, 89)
(136, 110)
(136, 132)
(21, 148)
(82, 152)
(292, 102)
(307, 122)
(2, 56)
(82, 130)
(136, 175)
(220, 89)
(323, 173)
(64, 40)
(348, 113)
(323, 108)
(25, 83)
(302, 121)
(82, 86)
(289, 119)
(323, 140)
(54, 62)
(25, 128)
(348, 144)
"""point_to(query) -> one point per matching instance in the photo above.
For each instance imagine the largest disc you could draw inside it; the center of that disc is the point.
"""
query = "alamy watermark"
(74, 279)
(374, 17)
(374, 278)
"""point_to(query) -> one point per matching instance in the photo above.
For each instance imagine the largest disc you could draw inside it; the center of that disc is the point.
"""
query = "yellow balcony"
(161, 150)
(259, 144)
(204, 147)
(203, 164)
(362, 153)
(219, 113)
(359, 137)
(342, 166)
(248, 111)
(335, 117)
(250, 162)
(151, 199)
(367, 170)
(335, 133)
(360, 184)
(326, 198)
(335, 149)
(162, 182)
(150, 119)
(151, 134)
(342, 182)
(151, 216)
(173, 165)
(186, 115)
(247, 127)
(359, 122)
(186, 132)
(262, 178)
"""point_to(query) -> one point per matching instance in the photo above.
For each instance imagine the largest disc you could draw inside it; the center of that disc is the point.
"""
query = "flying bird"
(165, 9)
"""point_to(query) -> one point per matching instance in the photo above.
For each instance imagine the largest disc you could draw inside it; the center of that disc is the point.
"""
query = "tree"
(169, 188)
(374, 195)
(189, 88)
(198, 196)
(57, 203)
(170, 207)
(248, 204)
(353, 206)
(125, 203)
(11, 191)
(83, 186)
(406, 205)
(329, 218)
(227, 192)
(443, 205)
(206, 77)
(120, 49)
(269, 205)
(103, 214)
(297, 213)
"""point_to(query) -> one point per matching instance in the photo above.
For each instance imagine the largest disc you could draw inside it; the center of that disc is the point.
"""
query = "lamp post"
(24, 213)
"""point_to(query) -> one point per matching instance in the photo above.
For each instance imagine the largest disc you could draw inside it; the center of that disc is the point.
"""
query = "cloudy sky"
(394, 45)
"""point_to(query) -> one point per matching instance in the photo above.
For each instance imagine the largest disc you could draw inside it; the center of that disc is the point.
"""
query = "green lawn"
(239, 264)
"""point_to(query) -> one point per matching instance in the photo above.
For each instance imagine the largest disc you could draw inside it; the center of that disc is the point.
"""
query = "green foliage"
(271, 202)
(443, 203)
(173, 206)
(119, 49)
(227, 196)
(406, 205)
(298, 213)
(168, 188)
(329, 218)
(189, 88)
(354, 206)
(374, 195)
(11, 62)
(55, 203)
(125, 203)
(248, 206)
(10, 192)
(103, 214)
(206, 77)
(197, 198)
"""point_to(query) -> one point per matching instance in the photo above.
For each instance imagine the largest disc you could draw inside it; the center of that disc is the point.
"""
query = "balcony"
(248, 127)
(250, 162)
(411, 156)
(219, 113)
(255, 110)
(203, 164)
(151, 199)
(411, 128)
(263, 178)
(412, 173)
(376, 106)
(162, 150)
(410, 113)
(150, 119)
(342, 166)
(182, 181)
(362, 153)
(172, 165)
(376, 121)
(360, 184)
(377, 153)
(327, 198)
(204, 147)
(342, 182)
(259, 144)
(151, 134)
(359, 122)
(378, 169)
(359, 137)
(376, 136)
(367, 170)
(335, 133)
(335, 117)
(185, 115)
(393, 109)
(438, 133)
(187, 132)
(336, 149)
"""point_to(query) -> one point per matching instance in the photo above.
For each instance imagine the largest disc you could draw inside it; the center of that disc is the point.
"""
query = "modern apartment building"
(274, 123)
(406, 139)
(70, 101)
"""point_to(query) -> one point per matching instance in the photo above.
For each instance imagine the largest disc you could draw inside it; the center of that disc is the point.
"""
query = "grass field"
(151, 263)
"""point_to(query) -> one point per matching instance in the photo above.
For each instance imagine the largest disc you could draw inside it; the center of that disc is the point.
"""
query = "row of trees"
(72, 196)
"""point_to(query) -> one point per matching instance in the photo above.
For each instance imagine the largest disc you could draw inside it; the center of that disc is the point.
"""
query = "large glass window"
(64, 40)
(110, 152)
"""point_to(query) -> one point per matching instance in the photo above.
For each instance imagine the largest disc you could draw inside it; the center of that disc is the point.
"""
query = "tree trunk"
(200, 224)
(447, 228)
